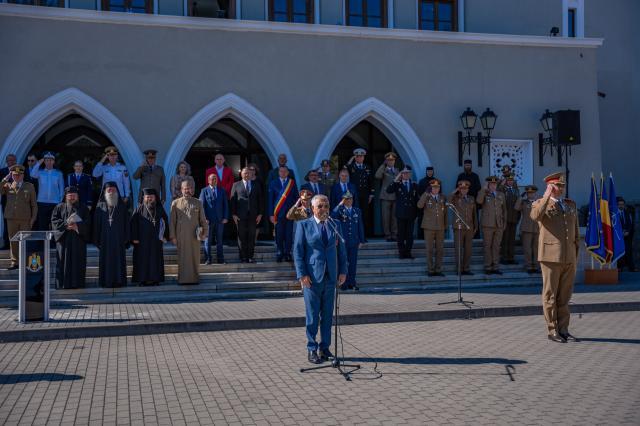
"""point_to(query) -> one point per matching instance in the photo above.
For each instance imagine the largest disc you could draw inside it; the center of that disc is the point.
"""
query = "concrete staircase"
(379, 270)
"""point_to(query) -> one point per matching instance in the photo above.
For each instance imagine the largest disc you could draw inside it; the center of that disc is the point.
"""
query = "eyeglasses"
(31, 161)
(323, 206)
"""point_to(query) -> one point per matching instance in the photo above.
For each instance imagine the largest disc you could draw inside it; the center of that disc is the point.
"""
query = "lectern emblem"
(34, 263)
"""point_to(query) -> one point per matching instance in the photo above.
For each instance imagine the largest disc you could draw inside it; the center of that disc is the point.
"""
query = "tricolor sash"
(283, 197)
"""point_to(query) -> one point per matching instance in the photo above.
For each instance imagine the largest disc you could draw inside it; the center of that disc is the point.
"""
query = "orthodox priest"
(149, 230)
(73, 220)
(187, 227)
(111, 236)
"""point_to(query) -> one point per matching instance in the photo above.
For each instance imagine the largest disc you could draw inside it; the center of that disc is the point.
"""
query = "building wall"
(526, 17)
(253, 10)
(83, 4)
(302, 83)
(405, 15)
(331, 12)
(171, 7)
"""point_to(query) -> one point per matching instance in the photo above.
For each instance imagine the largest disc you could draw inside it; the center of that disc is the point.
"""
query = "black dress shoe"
(355, 288)
(288, 258)
(325, 354)
(431, 274)
(207, 262)
(488, 272)
(389, 239)
(467, 273)
(555, 337)
(401, 256)
(12, 267)
(221, 262)
(409, 256)
(497, 272)
(251, 260)
(244, 261)
(569, 337)
(279, 259)
(439, 274)
(313, 357)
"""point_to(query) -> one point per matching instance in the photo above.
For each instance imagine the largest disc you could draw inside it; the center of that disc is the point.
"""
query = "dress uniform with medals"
(529, 229)
(558, 248)
(511, 195)
(151, 175)
(361, 176)
(493, 221)
(115, 172)
(387, 173)
(351, 227)
(434, 223)
(302, 208)
(465, 203)
(406, 193)
(21, 209)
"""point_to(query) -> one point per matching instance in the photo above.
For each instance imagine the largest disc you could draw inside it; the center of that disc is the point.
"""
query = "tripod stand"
(460, 222)
(344, 369)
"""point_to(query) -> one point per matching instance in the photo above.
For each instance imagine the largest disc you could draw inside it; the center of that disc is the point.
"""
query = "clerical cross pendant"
(110, 221)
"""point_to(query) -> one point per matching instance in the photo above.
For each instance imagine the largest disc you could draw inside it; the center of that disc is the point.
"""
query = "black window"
(366, 13)
(571, 24)
(132, 6)
(300, 11)
(49, 3)
(438, 15)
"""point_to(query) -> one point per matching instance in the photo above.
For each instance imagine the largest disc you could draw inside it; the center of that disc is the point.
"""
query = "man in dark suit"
(406, 210)
(282, 195)
(321, 263)
(625, 216)
(246, 205)
(341, 186)
(273, 173)
(216, 210)
(313, 183)
(83, 184)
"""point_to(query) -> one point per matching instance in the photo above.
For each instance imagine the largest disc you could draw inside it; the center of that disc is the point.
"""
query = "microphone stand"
(337, 362)
(460, 222)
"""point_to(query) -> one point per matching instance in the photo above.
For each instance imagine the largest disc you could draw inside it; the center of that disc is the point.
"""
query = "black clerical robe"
(71, 246)
(148, 226)
(111, 236)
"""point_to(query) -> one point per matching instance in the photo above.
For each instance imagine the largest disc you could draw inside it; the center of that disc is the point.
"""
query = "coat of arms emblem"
(34, 263)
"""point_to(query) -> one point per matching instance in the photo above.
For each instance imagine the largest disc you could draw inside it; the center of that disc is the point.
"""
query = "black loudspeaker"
(566, 127)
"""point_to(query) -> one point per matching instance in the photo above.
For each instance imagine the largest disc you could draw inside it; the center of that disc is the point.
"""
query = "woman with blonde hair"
(183, 173)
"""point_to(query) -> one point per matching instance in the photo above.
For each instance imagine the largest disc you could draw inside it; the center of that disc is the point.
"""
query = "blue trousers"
(318, 304)
(352, 263)
(284, 236)
(216, 231)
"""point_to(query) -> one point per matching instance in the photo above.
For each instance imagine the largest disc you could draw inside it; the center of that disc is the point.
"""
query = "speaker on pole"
(566, 127)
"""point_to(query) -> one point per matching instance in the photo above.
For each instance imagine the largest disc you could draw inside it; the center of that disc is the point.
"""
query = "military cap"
(149, 191)
(407, 169)
(71, 190)
(347, 195)
(464, 184)
(17, 169)
(492, 179)
(506, 168)
(49, 154)
(429, 167)
(557, 178)
(434, 182)
(467, 161)
(510, 176)
(359, 151)
(305, 194)
(391, 156)
(530, 188)
(150, 151)
(111, 150)
(619, 198)
(325, 163)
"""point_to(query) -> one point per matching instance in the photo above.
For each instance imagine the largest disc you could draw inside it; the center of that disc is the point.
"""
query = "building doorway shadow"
(11, 379)
(610, 340)
(437, 360)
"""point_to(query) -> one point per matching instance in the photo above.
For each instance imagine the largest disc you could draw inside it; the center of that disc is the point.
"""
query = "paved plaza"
(481, 371)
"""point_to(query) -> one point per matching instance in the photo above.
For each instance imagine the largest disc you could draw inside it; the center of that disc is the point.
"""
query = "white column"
(238, 9)
(390, 13)
(316, 11)
(461, 16)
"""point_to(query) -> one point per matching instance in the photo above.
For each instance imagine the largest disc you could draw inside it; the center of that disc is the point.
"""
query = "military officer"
(112, 170)
(351, 227)
(529, 229)
(465, 203)
(434, 223)
(494, 213)
(387, 173)
(151, 175)
(21, 209)
(302, 208)
(362, 177)
(406, 211)
(558, 249)
(511, 196)
(327, 178)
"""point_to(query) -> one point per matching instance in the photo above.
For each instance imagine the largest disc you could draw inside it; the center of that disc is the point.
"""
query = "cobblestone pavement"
(136, 313)
(484, 371)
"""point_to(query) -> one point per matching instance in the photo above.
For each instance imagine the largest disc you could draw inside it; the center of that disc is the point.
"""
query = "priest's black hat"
(149, 191)
(71, 190)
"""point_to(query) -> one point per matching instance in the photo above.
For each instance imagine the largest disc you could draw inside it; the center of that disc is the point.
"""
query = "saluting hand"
(550, 188)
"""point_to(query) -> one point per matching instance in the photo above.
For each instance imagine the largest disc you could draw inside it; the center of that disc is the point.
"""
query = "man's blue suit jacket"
(313, 258)
(215, 210)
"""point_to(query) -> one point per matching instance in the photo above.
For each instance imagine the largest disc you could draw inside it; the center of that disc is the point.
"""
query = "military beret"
(557, 178)
(492, 179)
(71, 189)
(111, 150)
(359, 151)
(434, 182)
(347, 195)
(17, 169)
(391, 156)
(49, 154)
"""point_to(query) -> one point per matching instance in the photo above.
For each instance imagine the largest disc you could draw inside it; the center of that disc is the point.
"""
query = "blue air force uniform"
(351, 226)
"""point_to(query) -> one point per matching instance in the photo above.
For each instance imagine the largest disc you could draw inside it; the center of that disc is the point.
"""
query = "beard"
(111, 198)
(71, 204)
(151, 206)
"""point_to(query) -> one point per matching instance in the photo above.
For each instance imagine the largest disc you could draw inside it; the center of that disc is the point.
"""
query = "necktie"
(406, 185)
(215, 193)
(560, 205)
(315, 188)
(344, 187)
(325, 236)
(78, 178)
(282, 182)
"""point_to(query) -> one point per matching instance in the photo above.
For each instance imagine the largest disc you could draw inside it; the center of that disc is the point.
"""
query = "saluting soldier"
(313, 183)
(21, 209)
(302, 208)
(529, 229)
(152, 176)
(465, 203)
(387, 173)
(434, 222)
(361, 176)
(327, 178)
(494, 213)
(558, 248)
(112, 170)
(511, 196)
(352, 229)
(406, 200)
(507, 171)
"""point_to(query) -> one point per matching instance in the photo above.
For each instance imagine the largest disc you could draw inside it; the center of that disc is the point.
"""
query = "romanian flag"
(606, 222)
(593, 237)
(617, 236)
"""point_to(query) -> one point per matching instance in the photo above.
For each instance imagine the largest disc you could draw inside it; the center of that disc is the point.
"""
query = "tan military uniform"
(297, 213)
(493, 221)
(558, 247)
(508, 246)
(151, 178)
(327, 179)
(466, 207)
(434, 222)
(529, 232)
(388, 201)
(20, 212)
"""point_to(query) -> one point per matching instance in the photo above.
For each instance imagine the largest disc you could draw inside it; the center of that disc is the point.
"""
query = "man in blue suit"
(321, 263)
(216, 210)
(83, 182)
(341, 186)
(351, 226)
(313, 183)
(283, 194)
